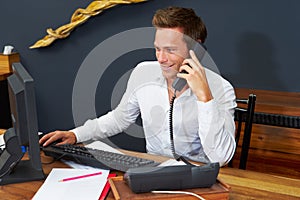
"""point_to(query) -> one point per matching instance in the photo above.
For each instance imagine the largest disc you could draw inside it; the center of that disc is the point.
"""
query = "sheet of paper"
(2, 143)
(78, 189)
(102, 146)
(77, 165)
(172, 162)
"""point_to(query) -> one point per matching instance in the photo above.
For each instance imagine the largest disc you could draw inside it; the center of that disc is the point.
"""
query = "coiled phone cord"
(175, 155)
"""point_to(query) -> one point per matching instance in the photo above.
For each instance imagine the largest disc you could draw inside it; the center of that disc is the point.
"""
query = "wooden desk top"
(244, 184)
(3, 76)
(2, 131)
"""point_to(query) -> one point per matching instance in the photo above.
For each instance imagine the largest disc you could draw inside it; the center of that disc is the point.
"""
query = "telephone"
(178, 84)
(199, 50)
(178, 177)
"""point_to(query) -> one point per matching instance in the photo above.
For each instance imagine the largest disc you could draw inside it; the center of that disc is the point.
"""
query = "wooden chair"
(270, 119)
(244, 116)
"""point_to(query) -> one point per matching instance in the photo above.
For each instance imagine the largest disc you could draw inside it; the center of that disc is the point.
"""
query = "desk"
(244, 184)
(2, 131)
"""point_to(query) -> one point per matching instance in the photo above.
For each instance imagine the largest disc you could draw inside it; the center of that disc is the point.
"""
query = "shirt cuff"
(78, 134)
(207, 107)
(206, 114)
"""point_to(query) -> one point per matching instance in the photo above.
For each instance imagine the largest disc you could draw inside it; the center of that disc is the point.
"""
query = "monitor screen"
(22, 103)
(24, 133)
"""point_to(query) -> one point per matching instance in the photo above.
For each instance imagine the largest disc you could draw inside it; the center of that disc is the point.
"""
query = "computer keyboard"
(97, 158)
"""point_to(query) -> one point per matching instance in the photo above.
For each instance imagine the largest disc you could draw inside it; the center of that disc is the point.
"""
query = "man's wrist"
(204, 97)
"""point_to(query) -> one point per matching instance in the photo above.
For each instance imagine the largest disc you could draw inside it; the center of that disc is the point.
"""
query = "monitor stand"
(23, 172)
(15, 170)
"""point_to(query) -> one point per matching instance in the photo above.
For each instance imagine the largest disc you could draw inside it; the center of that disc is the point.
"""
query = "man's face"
(171, 50)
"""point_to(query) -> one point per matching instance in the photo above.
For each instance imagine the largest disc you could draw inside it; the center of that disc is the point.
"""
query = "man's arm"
(216, 124)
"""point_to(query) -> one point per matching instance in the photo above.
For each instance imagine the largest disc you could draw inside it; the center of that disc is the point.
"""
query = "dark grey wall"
(255, 44)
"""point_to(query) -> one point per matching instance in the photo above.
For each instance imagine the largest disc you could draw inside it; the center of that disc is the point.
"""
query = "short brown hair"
(185, 18)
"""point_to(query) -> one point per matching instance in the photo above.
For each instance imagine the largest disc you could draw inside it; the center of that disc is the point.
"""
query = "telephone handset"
(199, 50)
(178, 84)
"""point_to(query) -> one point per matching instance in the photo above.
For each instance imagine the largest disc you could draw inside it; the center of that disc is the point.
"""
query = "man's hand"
(64, 137)
(196, 77)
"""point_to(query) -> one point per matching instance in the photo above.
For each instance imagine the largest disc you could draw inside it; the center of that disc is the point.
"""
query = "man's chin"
(169, 75)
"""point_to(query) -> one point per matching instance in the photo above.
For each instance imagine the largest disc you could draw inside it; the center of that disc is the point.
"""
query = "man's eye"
(171, 50)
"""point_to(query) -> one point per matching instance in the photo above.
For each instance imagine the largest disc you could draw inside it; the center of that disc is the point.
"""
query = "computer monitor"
(23, 136)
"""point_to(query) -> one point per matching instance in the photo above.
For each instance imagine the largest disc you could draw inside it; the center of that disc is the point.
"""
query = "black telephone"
(178, 84)
(199, 50)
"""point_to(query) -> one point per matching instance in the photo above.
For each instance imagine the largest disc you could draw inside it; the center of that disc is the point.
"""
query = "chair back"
(243, 115)
(271, 119)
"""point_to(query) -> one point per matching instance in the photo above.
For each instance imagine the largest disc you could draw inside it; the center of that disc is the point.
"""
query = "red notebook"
(106, 187)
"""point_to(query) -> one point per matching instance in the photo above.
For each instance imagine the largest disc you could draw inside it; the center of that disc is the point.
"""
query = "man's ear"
(200, 50)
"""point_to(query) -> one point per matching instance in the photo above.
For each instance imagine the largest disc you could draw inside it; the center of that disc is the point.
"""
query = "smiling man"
(203, 123)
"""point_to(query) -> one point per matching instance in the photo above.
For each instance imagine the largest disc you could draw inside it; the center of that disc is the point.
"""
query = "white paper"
(172, 162)
(2, 143)
(7, 50)
(102, 146)
(77, 165)
(84, 188)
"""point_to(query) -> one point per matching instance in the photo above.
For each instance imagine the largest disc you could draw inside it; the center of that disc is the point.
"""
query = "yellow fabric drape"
(79, 16)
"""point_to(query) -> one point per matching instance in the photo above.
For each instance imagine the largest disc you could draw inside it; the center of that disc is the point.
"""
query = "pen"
(79, 177)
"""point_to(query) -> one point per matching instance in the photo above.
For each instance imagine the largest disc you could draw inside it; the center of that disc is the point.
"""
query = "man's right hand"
(64, 137)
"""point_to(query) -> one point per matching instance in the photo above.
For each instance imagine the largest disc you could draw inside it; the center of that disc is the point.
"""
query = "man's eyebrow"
(167, 47)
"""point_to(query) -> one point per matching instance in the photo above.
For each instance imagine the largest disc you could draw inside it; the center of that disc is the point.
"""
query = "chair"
(244, 115)
(270, 119)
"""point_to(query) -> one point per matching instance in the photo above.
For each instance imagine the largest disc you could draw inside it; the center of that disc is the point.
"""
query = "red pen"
(78, 177)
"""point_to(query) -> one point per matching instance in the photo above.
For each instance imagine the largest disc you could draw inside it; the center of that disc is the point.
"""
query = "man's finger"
(194, 57)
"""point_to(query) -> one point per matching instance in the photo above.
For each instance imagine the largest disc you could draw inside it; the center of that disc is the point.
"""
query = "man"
(203, 123)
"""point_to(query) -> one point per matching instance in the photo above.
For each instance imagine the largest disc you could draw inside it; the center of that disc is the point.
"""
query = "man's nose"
(161, 56)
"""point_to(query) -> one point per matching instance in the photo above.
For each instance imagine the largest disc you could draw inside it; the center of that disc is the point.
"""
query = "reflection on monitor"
(23, 134)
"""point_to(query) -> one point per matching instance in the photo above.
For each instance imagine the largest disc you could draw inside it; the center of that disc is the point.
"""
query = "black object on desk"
(5, 118)
(147, 179)
(23, 134)
(96, 158)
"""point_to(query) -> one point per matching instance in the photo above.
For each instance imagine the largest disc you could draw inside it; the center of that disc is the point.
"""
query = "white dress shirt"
(202, 131)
